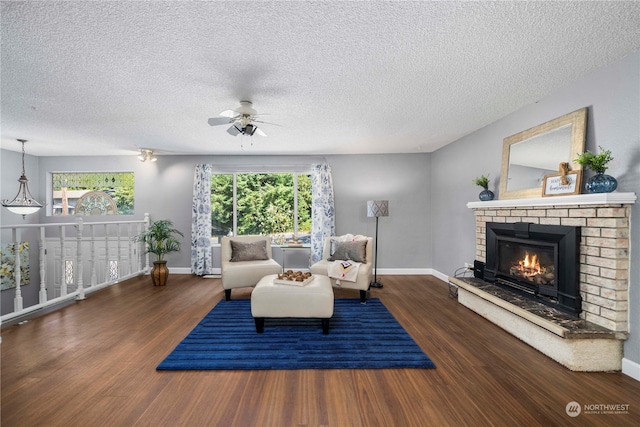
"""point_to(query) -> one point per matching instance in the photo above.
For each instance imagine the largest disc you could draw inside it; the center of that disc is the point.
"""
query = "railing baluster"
(147, 265)
(79, 261)
(63, 262)
(94, 279)
(43, 267)
(137, 247)
(130, 253)
(118, 252)
(139, 257)
(17, 274)
(106, 254)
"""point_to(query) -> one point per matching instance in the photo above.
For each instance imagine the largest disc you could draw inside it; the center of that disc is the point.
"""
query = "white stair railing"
(114, 250)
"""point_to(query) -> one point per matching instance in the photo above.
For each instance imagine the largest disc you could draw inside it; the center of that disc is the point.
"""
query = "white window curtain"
(322, 210)
(201, 221)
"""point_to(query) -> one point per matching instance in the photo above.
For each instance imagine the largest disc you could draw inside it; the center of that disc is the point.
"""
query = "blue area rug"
(361, 336)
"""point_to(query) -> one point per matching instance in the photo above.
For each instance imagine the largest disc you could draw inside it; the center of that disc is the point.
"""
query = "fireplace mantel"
(580, 199)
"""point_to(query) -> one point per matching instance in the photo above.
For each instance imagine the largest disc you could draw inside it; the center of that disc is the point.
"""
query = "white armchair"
(246, 272)
(364, 272)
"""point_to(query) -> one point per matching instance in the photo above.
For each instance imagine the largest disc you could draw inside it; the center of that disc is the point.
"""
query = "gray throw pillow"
(353, 251)
(254, 251)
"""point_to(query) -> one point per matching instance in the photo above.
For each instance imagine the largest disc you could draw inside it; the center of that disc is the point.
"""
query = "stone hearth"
(578, 344)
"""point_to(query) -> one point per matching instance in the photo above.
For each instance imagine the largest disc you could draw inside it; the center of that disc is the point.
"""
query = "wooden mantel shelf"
(614, 198)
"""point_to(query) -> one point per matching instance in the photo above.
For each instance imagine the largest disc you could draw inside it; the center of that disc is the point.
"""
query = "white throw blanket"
(348, 272)
(343, 270)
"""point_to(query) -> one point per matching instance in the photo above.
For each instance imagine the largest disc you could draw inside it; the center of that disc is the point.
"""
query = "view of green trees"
(264, 203)
(123, 196)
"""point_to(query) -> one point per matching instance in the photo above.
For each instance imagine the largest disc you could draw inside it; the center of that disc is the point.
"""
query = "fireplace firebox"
(539, 261)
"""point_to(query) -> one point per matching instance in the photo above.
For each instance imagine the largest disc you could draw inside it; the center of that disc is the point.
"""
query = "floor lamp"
(377, 208)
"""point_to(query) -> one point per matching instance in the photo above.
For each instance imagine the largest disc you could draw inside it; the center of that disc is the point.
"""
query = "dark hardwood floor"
(93, 364)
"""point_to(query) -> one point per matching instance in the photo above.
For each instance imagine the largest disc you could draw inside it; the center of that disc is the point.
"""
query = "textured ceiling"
(102, 78)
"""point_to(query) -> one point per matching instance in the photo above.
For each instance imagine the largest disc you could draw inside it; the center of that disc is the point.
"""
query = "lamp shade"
(23, 210)
(376, 208)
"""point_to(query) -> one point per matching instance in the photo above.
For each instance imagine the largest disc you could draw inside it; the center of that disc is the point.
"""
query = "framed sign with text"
(554, 186)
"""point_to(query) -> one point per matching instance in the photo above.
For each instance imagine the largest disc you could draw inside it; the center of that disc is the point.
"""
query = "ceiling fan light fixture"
(23, 203)
(250, 129)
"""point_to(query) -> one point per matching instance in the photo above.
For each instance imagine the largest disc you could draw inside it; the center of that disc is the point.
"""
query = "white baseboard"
(187, 270)
(441, 276)
(631, 368)
(382, 272)
(179, 270)
(405, 271)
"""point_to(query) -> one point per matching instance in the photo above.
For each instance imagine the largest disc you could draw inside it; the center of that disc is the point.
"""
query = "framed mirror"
(531, 154)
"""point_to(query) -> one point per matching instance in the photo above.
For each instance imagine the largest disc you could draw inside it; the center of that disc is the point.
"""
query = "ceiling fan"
(243, 120)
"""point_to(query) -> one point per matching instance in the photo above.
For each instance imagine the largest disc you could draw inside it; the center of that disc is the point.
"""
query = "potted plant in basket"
(160, 239)
(600, 182)
(483, 182)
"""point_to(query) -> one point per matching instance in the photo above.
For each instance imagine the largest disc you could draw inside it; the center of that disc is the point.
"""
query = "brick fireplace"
(603, 276)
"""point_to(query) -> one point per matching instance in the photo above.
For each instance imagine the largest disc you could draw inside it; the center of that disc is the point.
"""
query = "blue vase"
(601, 183)
(486, 195)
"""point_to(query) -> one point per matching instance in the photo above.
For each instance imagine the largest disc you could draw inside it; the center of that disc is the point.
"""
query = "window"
(100, 193)
(274, 204)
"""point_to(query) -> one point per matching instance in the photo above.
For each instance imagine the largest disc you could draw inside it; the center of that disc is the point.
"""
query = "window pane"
(264, 205)
(221, 206)
(115, 187)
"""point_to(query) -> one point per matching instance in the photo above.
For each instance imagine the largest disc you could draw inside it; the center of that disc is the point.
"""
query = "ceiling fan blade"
(228, 113)
(268, 123)
(215, 121)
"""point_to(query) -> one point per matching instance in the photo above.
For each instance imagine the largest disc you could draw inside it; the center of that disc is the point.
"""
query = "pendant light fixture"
(24, 203)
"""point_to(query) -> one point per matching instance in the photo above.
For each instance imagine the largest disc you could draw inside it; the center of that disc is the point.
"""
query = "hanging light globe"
(23, 203)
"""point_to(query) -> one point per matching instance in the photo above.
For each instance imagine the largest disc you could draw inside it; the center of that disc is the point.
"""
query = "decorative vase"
(159, 273)
(486, 195)
(601, 183)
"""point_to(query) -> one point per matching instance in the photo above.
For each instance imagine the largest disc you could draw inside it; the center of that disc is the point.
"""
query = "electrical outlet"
(468, 266)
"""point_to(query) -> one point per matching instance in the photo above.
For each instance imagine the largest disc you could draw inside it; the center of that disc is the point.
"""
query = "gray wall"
(164, 190)
(612, 96)
(403, 179)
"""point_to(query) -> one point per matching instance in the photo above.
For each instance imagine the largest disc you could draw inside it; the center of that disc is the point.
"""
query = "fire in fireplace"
(541, 261)
(529, 268)
(531, 265)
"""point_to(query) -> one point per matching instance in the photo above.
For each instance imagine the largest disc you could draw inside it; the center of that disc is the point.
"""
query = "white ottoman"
(315, 299)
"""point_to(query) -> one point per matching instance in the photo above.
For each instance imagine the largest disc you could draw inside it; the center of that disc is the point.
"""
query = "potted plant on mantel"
(486, 194)
(600, 182)
(160, 239)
